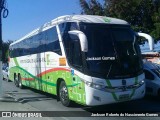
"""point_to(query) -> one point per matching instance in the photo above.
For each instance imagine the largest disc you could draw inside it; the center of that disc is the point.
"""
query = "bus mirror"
(149, 38)
(83, 39)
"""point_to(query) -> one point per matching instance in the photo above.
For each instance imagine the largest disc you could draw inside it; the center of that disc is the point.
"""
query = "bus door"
(52, 55)
(40, 63)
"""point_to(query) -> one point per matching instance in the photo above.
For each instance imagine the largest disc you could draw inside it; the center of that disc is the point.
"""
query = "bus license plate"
(124, 97)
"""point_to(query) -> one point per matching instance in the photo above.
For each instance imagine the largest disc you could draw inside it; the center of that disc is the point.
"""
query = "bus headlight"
(141, 82)
(96, 86)
(88, 83)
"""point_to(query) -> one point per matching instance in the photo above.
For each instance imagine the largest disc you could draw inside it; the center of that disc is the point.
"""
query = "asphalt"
(26, 100)
(9, 104)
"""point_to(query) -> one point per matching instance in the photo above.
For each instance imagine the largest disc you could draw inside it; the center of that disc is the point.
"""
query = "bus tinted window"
(71, 44)
(65, 27)
(52, 41)
(42, 42)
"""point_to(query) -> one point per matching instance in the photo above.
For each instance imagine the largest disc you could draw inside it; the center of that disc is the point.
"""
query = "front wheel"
(63, 94)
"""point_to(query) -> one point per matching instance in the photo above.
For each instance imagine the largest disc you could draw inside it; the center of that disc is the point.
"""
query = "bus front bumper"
(97, 97)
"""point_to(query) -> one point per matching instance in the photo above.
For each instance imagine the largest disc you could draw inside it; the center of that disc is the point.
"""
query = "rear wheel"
(63, 94)
(20, 82)
(16, 80)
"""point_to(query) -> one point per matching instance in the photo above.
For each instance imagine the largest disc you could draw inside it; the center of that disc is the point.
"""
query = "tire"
(20, 82)
(16, 80)
(63, 94)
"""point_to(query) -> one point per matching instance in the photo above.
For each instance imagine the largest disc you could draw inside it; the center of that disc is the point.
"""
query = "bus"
(87, 59)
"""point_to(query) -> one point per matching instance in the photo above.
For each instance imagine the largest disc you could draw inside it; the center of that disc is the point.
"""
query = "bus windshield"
(113, 51)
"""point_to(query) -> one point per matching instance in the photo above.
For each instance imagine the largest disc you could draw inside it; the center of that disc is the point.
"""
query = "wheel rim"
(64, 94)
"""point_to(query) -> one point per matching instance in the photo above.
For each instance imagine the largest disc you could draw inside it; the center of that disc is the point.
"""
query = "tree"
(143, 15)
(92, 7)
(5, 50)
(136, 12)
(156, 19)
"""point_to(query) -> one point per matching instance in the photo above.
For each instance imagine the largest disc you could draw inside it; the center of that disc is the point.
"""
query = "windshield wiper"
(110, 68)
(134, 46)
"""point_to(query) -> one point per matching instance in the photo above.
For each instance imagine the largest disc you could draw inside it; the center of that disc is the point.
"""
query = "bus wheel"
(20, 82)
(16, 80)
(63, 94)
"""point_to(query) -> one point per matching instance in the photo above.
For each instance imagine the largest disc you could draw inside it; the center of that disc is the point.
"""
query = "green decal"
(136, 80)
(107, 19)
(113, 93)
(47, 81)
(15, 61)
(133, 91)
(72, 85)
(77, 91)
(25, 73)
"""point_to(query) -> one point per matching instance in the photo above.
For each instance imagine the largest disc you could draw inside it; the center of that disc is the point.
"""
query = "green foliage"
(5, 50)
(156, 32)
(93, 7)
(143, 15)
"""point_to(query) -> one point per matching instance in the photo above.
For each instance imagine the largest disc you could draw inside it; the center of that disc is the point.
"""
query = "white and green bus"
(92, 60)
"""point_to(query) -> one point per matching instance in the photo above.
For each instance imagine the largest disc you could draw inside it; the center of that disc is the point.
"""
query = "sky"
(145, 47)
(27, 15)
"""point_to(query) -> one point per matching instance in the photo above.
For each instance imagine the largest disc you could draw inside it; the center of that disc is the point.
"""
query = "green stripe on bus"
(113, 93)
(41, 80)
(72, 85)
(48, 83)
(15, 61)
(133, 91)
(136, 80)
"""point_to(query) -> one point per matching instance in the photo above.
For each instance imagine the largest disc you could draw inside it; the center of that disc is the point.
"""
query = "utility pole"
(4, 13)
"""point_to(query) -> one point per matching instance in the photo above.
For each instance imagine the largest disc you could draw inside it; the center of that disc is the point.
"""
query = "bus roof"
(74, 18)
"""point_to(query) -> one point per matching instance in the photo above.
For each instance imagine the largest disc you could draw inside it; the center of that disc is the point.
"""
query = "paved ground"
(27, 99)
(8, 104)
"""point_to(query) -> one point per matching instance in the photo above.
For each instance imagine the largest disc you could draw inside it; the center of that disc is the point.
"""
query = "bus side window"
(26, 47)
(52, 41)
(75, 51)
